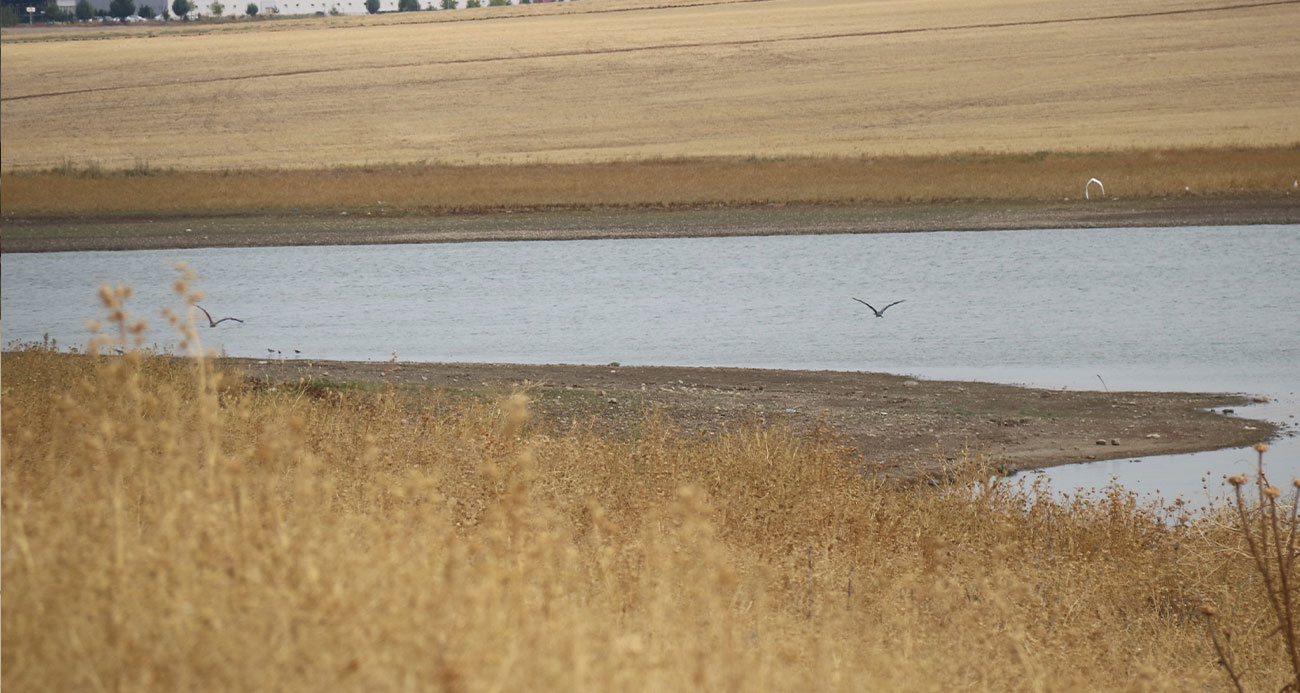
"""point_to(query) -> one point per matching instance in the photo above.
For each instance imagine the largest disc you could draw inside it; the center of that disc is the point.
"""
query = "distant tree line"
(14, 11)
(49, 11)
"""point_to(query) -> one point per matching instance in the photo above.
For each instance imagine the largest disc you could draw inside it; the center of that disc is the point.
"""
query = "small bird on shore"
(214, 323)
(879, 313)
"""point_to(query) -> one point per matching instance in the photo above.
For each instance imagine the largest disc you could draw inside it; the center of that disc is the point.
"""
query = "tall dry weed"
(1268, 529)
(169, 526)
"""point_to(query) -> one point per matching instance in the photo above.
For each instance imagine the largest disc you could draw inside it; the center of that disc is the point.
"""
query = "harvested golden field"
(169, 526)
(782, 78)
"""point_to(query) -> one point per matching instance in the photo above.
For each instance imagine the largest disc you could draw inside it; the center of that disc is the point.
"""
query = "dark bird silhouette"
(879, 313)
(214, 323)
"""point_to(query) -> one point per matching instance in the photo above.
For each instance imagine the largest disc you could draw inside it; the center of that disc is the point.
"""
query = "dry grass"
(785, 78)
(423, 189)
(167, 527)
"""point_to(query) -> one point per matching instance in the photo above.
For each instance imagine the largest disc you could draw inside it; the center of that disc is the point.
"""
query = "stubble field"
(784, 78)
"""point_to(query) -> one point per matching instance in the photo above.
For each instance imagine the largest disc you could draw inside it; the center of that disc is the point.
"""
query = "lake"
(1197, 309)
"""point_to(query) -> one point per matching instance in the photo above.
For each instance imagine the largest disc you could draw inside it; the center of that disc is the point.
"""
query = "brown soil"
(22, 234)
(910, 428)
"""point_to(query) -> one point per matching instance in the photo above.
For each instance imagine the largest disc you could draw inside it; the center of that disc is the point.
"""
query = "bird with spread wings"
(879, 313)
(214, 323)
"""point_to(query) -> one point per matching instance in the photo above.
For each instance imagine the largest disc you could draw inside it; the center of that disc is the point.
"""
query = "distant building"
(334, 6)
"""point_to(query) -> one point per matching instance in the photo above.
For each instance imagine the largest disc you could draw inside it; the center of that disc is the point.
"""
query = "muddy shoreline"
(39, 234)
(908, 427)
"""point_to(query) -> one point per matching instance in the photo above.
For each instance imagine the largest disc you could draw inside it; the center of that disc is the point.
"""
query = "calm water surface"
(1215, 308)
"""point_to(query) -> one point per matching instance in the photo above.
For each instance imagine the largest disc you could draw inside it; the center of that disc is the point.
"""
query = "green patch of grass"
(340, 385)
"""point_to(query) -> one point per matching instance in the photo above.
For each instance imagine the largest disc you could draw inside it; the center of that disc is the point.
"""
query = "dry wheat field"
(780, 78)
(638, 103)
(169, 525)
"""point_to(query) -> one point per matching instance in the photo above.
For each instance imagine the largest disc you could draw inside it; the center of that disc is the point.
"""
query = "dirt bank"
(909, 427)
(22, 234)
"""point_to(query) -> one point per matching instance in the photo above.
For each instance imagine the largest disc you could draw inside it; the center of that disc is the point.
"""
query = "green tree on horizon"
(54, 13)
(121, 9)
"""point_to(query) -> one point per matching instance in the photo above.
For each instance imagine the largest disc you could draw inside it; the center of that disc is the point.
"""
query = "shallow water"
(1207, 309)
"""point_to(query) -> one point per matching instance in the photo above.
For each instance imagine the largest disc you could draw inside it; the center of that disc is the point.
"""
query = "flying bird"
(1088, 185)
(214, 323)
(879, 313)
